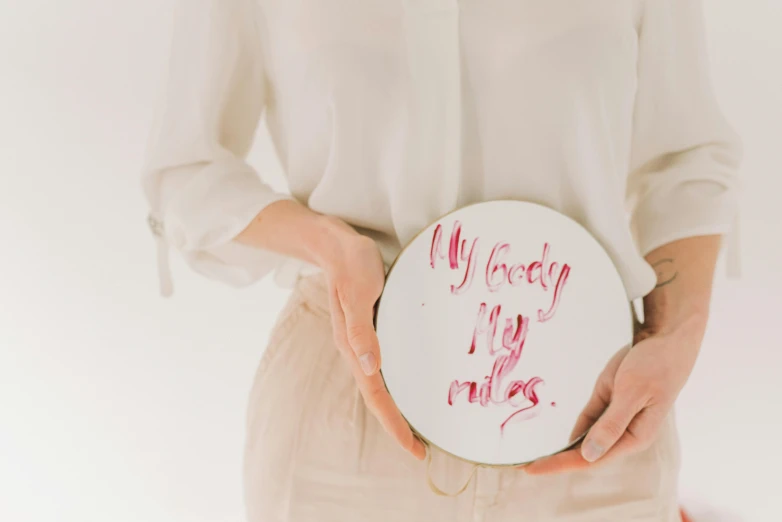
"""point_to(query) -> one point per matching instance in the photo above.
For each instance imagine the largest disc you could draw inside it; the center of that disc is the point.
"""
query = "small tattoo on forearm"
(666, 272)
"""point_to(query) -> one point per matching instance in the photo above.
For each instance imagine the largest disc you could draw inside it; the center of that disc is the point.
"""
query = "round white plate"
(560, 311)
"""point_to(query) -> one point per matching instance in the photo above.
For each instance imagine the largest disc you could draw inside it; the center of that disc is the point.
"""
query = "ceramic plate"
(494, 325)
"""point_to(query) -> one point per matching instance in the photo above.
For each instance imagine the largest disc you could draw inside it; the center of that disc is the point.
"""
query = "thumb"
(608, 429)
(594, 408)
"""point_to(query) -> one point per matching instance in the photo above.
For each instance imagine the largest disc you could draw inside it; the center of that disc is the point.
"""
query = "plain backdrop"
(118, 405)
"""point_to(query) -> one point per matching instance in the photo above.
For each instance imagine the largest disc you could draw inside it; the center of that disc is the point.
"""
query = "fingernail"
(367, 362)
(591, 451)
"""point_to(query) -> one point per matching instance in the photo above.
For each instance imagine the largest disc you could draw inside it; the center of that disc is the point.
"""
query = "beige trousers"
(315, 454)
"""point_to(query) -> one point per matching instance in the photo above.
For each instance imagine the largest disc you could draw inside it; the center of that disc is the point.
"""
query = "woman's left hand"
(631, 400)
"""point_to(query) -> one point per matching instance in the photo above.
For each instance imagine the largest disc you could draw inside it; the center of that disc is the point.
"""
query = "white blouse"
(389, 114)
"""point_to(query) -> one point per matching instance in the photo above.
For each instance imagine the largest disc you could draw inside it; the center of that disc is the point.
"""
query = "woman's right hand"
(356, 276)
(355, 273)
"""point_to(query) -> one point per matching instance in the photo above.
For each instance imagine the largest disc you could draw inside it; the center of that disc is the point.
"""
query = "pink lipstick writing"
(497, 388)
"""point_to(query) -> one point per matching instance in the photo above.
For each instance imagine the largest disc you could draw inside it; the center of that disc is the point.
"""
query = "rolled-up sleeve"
(201, 191)
(684, 161)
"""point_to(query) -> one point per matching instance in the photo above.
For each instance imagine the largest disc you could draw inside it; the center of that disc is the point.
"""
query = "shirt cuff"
(202, 218)
(693, 208)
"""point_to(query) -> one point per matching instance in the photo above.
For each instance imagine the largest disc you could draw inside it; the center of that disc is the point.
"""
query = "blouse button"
(155, 225)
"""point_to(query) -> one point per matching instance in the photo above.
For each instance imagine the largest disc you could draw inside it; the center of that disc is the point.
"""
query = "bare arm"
(680, 301)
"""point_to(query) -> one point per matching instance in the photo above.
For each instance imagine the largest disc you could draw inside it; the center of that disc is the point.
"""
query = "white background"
(118, 405)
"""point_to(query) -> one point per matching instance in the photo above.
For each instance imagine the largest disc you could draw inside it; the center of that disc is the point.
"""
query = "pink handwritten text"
(498, 271)
(498, 388)
(456, 252)
(518, 394)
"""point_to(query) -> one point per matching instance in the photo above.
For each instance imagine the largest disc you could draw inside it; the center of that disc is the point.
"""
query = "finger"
(601, 396)
(382, 406)
(338, 321)
(570, 460)
(641, 432)
(360, 332)
(594, 408)
(573, 460)
(611, 425)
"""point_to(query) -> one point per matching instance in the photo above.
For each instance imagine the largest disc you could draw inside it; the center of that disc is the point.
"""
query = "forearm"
(291, 229)
(685, 272)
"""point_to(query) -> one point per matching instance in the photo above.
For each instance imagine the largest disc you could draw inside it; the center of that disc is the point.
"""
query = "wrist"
(328, 240)
(291, 229)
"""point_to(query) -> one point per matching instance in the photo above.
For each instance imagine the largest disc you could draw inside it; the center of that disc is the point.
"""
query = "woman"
(386, 115)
